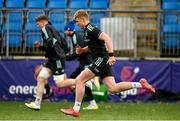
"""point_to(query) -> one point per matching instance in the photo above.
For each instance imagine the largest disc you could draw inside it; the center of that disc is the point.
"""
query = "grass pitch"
(106, 111)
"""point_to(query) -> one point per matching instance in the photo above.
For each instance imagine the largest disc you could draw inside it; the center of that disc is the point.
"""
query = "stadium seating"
(1, 3)
(171, 42)
(171, 6)
(31, 38)
(37, 4)
(171, 28)
(171, 35)
(57, 20)
(14, 3)
(56, 16)
(32, 32)
(170, 0)
(1, 16)
(31, 15)
(13, 27)
(78, 4)
(171, 18)
(56, 4)
(95, 17)
(98, 4)
(15, 39)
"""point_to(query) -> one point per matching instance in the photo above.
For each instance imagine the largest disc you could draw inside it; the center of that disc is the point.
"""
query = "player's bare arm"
(80, 50)
(104, 37)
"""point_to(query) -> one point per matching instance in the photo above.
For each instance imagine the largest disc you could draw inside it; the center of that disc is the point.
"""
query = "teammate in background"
(54, 56)
(84, 60)
(48, 91)
(100, 45)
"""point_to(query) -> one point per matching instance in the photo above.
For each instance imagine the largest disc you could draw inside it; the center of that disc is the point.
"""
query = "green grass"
(107, 111)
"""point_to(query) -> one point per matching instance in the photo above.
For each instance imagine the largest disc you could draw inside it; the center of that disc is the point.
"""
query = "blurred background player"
(54, 56)
(84, 60)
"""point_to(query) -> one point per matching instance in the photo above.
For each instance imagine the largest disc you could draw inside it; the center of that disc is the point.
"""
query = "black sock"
(89, 94)
(47, 88)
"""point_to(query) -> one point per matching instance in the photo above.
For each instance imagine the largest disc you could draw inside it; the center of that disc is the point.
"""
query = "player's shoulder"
(90, 27)
(48, 26)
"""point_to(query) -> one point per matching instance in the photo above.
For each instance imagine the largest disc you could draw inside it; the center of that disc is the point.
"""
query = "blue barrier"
(17, 81)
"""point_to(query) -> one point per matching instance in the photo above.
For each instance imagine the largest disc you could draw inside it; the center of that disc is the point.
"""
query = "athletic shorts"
(57, 66)
(99, 67)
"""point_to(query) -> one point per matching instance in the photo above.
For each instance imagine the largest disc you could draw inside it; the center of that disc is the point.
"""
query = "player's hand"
(111, 60)
(46, 59)
(79, 50)
(37, 44)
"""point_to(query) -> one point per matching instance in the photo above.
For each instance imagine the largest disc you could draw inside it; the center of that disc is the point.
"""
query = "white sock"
(77, 106)
(136, 85)
(93, 102)
(38, 100)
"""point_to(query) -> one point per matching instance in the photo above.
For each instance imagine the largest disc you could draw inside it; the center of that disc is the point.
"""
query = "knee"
(41, 80)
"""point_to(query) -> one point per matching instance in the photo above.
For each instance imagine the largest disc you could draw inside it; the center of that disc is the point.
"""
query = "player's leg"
(80, 87)
(69, 82)
(42, 77)
(93, 105)
(48, 91)
(66, 83)
(114, 87)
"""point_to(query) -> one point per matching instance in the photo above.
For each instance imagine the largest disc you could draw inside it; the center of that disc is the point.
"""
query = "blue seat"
(171, 28)
(1, 18)
(38, 4)
(57, 20)
(15, 39)
(98, 4)
(15, 17)
(56, 4)
(170, 1)
(95, 17)
(171, 6)
(13, 27)
(31, 15)
(56, 16)
(78, 4)
(31, 38)
(59, 26)
(14, 22)
(1, 3)
(14, 3)
(31, 30)
(171, 42)
(171, 19)
(31, 27)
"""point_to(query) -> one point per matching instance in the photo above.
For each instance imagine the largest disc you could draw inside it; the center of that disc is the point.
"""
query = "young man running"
(84, 60)
(54, 56)
(100, 45)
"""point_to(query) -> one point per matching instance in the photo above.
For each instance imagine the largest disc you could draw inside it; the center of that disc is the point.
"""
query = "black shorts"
(100, 67)
(57, 66)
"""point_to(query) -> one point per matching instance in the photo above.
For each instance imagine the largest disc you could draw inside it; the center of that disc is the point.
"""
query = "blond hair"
(41, 17)
(81, 13)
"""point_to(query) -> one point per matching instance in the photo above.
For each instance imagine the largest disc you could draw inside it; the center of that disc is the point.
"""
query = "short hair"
(81, 13)
(41, 17)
